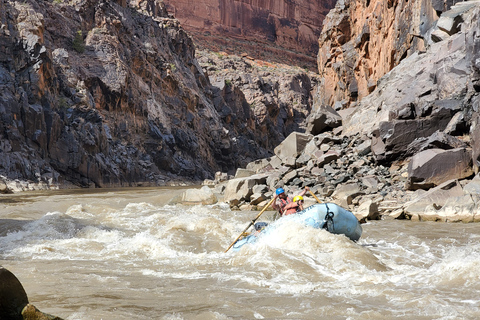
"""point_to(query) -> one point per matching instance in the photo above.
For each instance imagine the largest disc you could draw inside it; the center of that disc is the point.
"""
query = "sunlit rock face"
(284, 30)
(361, 41)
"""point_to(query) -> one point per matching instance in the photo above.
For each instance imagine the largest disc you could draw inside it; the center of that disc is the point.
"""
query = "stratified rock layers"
(293, 25)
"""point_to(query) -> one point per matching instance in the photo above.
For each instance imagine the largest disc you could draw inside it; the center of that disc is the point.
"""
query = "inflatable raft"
(328, 216)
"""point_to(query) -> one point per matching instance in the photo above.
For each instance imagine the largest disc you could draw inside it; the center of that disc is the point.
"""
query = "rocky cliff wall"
(363, 40)
(430, 97)
(285, 30)
(109, 93)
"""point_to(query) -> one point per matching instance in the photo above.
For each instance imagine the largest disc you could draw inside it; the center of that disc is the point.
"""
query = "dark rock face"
(393, 137)
(12, 296)
(97, 93)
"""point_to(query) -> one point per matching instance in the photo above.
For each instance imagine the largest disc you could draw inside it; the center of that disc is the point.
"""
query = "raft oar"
(313, 194)
(251, 223)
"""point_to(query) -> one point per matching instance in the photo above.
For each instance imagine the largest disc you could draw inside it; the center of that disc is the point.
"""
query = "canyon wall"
(362, 40)
(281, 30)
(110, 93)
(102, 93)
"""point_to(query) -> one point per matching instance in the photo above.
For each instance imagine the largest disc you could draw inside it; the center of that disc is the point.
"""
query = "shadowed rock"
(13, 297)
(324, 118)
(241, 189)
(432, 167)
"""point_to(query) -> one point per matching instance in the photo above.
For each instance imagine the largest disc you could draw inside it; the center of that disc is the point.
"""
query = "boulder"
(241, 189)
(259, 194)
(13, 297)
(473, 187)
(243, 173)
(30, 312)
(456, 209)
(451, 20)
(370, 182)
(203, 196)
(391, 140)
(364, 148)
(307, 154)
(368, 210)
(257, 165)
(327, 157)
(276, 162)
(344, 194)
(221, 176)
(438, 197)
(289, 176)
(432, 167)
(438, 139)
(324, 118)
(4, 187)
(292, 146)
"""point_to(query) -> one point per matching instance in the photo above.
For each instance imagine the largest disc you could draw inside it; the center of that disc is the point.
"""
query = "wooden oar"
(313, 194)
(251, 223)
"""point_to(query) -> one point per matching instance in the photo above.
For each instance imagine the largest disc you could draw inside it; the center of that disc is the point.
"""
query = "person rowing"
(285, 205)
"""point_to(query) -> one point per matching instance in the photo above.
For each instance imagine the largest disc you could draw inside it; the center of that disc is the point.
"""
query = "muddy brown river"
(127, 254)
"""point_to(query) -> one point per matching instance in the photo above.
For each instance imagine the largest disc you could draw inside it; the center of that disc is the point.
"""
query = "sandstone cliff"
(285, 31)
(363, 40)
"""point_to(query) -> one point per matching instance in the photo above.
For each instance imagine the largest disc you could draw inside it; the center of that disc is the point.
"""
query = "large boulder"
(292, 146)
(4, 187)
(13, 297)
(436, 197)
(30, 312)
(367, 210)
(432, 167)
(458, 209)
(322, 119)
(240, 189)
(345, 193)
(204, 196)
(392, 138)
(440, 140)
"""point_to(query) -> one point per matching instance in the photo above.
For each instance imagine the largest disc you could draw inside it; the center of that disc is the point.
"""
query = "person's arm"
(304, 191)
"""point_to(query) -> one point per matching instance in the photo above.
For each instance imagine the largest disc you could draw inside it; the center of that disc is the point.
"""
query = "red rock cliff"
(283, 29)
(362, 40)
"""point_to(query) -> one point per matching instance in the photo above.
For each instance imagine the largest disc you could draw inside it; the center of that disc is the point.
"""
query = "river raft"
(328, 216)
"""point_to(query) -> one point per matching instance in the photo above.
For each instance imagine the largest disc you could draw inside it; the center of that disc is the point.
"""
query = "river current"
(127, 254)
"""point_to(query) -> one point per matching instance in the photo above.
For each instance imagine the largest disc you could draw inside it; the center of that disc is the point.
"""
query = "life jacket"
(283, 204)
(290, 208)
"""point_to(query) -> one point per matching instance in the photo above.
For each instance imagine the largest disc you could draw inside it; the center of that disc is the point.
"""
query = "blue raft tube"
(328, 216)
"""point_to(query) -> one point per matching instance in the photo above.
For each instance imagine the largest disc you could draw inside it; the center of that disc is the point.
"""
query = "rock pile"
(342, 170)
(280, 97)
(409, 150)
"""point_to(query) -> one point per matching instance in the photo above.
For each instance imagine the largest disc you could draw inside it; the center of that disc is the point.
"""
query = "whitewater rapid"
(128, 254)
